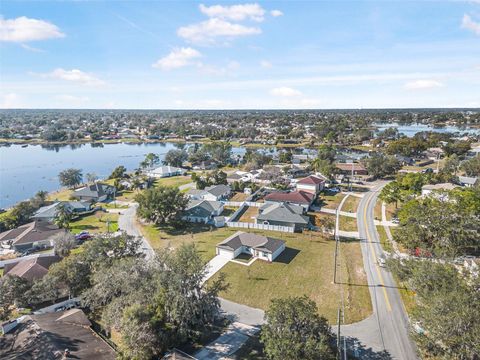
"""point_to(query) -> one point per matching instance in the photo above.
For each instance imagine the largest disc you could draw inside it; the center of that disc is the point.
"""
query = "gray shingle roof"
(202, 208)
(283, 212)
(255, 241)
(218, 190)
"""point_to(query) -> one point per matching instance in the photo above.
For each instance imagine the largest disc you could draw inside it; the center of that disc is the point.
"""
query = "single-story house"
(346, 169)
(97, 192)
(468, 181)
(301, 198)
(49, 212)
(58, 335)
(312, 184)
(235, 177)
(405, 160)
(31, 269)
(144, 183)
(283, 214)
(474, 151)
(302, 158)
(35, 234)
(259, 246)
(428, 189)
(202, 211)
(212, 193)
(165, 171)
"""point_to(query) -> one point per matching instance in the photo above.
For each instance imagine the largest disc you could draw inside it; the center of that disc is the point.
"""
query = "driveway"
(127, 223)
(228, 343)
(215, 265)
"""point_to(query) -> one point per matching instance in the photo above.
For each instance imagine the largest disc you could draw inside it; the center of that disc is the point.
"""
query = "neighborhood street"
(385, 333)
(127, 223)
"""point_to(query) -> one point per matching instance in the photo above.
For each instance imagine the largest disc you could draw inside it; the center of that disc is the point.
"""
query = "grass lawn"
(317, 217)
(351, 204)
(60, 195)
(228, 210)
(348, 223)
(126, 195)
(304, 268)
(386, 244)
(390, 211)
(174, 181)
(112, 205)
(330, 200)
(204, 237)
(95, 223)
(239, 197)
(248, 214)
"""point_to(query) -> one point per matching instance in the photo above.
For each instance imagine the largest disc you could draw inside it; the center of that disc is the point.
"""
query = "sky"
(239, 55)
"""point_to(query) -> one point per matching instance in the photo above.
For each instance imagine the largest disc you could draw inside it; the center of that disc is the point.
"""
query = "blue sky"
(229, 55)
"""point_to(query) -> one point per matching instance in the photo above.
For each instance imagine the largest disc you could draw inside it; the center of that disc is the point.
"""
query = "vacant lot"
(305, 268)
(95, 223)
(317, 218)
(348, 223)
(330, 200)
(351, 204)
(174, 181)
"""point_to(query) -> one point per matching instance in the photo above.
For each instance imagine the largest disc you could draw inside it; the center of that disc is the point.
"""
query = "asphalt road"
(386, 332)
(126, 222)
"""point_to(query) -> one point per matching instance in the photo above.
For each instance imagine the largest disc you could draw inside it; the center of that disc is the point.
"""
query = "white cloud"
(276, 13)
(72, 100)
(229, 69)
(10, 101)
(74, 75)
(177, 58)
(31, 48)
(23, 29)
(284, 91)
(469, 24)
(422, 84)
(206, 32)
(265, 64)
(234, 12)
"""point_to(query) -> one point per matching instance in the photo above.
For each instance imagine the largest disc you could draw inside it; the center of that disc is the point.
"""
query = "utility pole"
(335, 235)
(339, 350)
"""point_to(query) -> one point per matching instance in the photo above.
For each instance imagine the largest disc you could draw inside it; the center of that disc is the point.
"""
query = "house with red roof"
(31, 269)
(301, 198)
(312, 184)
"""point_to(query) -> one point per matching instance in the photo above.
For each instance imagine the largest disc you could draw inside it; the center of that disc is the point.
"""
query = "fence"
(241, 203)
(243, 225)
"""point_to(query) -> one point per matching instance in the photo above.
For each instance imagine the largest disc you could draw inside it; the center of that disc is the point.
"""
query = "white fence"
(241, 203)
(243, 225)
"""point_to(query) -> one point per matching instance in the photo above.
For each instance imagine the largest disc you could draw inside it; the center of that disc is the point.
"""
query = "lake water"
(24, 171)
(412, 129)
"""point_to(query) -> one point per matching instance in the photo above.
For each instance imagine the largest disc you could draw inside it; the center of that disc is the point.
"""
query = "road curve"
(386, 331)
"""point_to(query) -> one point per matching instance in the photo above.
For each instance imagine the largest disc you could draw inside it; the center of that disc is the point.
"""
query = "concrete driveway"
(228, 343)
(215, 265)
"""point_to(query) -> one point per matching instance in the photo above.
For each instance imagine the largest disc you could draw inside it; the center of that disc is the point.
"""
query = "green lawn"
(348, 223)
(60, 195)
(351, 204)
(112, 205)
(175, 181)
(305, 268)
(330, 200)
(95, 223)
(386, 244)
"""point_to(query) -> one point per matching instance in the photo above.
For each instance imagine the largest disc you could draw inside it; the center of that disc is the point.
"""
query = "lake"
(411, 129)
(24, 171)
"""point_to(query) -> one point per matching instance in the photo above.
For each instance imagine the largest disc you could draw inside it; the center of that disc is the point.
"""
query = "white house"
(468, 181)
(165, 171)
(312, 184)
(211, 193)
(428, 189)
(202, 211)
(258, 246)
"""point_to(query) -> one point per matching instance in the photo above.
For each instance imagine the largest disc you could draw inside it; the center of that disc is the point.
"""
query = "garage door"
(225, 253)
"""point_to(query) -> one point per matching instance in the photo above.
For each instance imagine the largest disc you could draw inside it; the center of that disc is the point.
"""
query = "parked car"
(395, 221)
(84, 235)
(427, 171)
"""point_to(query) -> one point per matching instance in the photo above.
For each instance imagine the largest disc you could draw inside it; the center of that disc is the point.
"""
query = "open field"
(95, 223)
(174, 181)
(305, 268)
(348, 223)
(351, 204)
(248, 214)
(330, 200)
(317, 217)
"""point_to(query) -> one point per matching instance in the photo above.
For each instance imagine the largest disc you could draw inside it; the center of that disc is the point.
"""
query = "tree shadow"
(357, 350)
(287, 255)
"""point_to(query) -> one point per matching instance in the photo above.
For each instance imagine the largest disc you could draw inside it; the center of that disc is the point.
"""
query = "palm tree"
(91, 177)
(63, 217)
